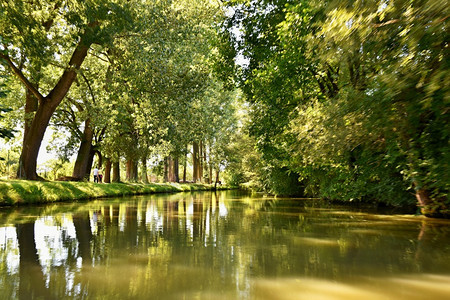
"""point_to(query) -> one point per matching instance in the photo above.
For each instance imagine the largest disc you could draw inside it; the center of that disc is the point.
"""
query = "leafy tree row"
(116, 80)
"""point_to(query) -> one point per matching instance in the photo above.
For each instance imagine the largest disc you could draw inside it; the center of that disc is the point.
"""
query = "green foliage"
(281, 181)
(55, 168)
(5, 133)
(350, 95)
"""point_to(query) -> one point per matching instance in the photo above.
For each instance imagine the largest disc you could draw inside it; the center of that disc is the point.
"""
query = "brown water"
(219, 246)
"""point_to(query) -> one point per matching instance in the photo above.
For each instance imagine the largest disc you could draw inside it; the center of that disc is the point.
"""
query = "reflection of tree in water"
(83, 231)
(32, 283)
(431, 237)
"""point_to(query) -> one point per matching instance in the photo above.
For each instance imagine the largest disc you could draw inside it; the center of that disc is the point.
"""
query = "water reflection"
(212, 246)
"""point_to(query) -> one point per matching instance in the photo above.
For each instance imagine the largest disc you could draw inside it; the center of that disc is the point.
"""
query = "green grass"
(16, 192)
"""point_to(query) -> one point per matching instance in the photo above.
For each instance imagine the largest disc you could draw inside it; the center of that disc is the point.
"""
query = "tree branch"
(89, 86)
(99, 57)
(65, 81)
(77, 105)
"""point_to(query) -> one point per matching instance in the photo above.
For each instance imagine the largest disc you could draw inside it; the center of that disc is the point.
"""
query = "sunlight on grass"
(21, 191)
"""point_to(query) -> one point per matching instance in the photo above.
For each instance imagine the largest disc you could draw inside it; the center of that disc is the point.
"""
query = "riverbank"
(22, 192)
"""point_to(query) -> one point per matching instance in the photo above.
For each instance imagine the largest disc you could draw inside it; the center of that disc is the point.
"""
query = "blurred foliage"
(350, 95)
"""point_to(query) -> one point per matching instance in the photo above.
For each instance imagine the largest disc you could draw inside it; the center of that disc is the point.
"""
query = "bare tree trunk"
(210, 173)
(170, 175)
(217, 178)
(184, 166)
(424, 200)
(90, 162)
(176, 169)
(81, 168)
(31, 106)
(200, 165)
(172, 169)
(107, 175)
(33, 140)
(116, 171)
(144, 176)
(128, 170)
(195, 161)
(134, 174)
(210, 166)
(131, 170)
(100, 158)
(165, 171)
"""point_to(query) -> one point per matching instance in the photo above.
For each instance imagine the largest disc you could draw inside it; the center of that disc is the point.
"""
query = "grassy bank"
(16, 192)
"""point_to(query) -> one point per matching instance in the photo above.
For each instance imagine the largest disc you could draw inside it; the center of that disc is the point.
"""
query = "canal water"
(227, 245)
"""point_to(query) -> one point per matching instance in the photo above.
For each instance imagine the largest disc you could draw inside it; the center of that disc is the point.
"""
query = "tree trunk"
(32, 141)
(107, 175)
(195, 162)
(170, 175)
(217, 179)
(116, 172)
(31, 106)
(82, 162)
(425, 201)
(184, 167)
(166, 170)
(130, 170)
(100, 158)
(144, 176)
(173, 169)
(176, 169)
(89, 164)
(134, 174)
(210, 173)
(200, 164)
